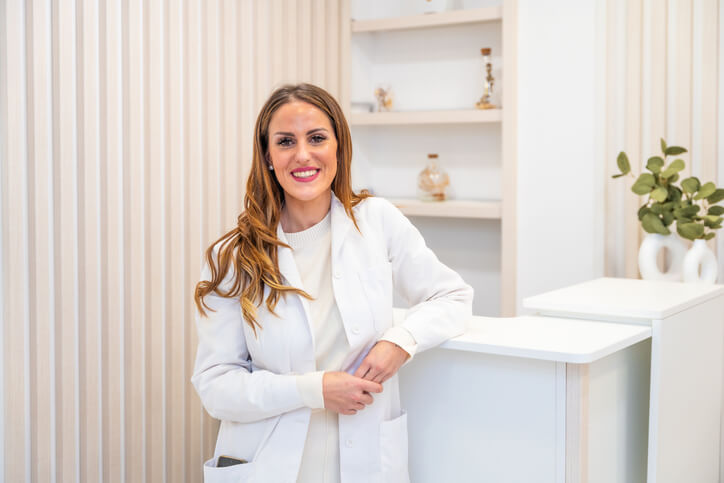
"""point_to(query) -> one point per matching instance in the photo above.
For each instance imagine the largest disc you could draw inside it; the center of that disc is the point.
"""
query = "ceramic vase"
(700, 255)
(648, 254)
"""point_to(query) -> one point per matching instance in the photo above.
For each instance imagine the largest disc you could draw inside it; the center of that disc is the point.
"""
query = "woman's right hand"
(347, 394)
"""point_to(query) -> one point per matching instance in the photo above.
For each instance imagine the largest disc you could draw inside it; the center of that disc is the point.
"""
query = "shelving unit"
(459, 116)
(484, 210)
(454, 17)
(433, 63)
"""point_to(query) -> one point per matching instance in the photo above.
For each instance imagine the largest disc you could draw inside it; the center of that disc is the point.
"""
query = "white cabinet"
(433, 64)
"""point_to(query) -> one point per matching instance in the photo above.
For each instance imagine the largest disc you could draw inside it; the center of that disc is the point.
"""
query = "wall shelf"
(484, 210)
(454, 17)
(461, 116)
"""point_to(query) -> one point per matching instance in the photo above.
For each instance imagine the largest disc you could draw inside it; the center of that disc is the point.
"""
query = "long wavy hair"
(252, 245)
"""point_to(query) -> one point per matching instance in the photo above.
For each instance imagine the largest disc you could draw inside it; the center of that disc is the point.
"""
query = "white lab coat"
(248, 382)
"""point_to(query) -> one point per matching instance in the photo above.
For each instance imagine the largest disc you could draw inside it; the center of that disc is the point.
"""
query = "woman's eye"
(285, 142)
(318, 138)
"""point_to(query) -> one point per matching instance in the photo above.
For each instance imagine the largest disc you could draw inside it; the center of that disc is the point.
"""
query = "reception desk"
(612, 380)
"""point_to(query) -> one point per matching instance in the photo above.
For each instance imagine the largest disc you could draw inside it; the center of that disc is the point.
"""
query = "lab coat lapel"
(341, 224)
(289, 270)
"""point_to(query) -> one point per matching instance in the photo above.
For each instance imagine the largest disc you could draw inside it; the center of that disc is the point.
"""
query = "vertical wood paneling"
(704, 152)
(304, 40)
(133, 125)
(43, 421)
(66, 164)
(176, 273)
(332, 30)
(318, 47)
(112, 136)
(15, 241)
(194, 126)
(89, 228)
(633, 126)
(680, 90)
(155, 241)
(136, 291)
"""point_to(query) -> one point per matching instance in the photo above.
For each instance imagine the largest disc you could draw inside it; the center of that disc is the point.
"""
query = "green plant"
(668, 203)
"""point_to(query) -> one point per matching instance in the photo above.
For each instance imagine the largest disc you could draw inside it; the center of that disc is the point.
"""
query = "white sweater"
(312, 254)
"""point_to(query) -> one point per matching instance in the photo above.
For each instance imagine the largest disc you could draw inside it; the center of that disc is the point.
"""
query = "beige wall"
(124, 142)
(660, 78)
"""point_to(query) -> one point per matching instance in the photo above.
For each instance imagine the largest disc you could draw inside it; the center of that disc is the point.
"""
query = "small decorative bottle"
(485, 101)
(432, 181)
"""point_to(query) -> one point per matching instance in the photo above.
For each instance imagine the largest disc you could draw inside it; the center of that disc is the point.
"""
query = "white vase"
(700, 256)
(649, 252)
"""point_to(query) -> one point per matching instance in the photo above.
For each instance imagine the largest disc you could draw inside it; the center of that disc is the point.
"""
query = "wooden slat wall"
(125, 140)
(662, 78)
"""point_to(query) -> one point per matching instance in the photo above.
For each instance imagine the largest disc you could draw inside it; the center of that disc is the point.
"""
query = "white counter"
(613, 381)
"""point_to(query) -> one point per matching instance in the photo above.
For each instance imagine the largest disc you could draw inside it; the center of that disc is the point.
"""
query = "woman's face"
(303, 151)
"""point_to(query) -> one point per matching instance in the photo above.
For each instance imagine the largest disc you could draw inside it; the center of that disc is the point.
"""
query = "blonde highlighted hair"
(252, 245)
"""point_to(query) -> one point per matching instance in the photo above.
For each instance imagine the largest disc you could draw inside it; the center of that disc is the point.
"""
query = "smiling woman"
(303, 154)
(298, 354)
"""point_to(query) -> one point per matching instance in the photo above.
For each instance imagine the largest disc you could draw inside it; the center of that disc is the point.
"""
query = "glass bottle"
(432, 181)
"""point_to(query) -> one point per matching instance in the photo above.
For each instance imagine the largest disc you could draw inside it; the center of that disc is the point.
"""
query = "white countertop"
(623, 298)
(545, 338)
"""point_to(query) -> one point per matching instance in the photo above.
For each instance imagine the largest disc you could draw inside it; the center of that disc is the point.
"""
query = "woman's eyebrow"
(283, 133)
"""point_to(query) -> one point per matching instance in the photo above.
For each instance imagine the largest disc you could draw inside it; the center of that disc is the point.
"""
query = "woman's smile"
(305, 175)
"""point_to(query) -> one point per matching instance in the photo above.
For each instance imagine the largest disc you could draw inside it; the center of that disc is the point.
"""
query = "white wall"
(557, 208)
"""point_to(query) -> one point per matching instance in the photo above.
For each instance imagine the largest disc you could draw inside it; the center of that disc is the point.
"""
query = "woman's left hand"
(382, 362)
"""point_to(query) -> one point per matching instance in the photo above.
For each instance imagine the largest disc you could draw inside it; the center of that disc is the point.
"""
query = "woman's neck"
(300, 215)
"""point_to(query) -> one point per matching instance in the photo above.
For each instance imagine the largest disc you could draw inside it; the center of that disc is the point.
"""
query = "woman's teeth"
(305, 174)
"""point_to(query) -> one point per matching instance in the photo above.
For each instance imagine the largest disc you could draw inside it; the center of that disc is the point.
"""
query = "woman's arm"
(223, 376)
(440, 301)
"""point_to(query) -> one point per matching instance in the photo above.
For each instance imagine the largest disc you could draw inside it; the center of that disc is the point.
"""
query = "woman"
(298, 354)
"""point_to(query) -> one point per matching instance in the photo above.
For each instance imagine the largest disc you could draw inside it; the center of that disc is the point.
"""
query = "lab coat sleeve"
(440, 301)
(229, 387)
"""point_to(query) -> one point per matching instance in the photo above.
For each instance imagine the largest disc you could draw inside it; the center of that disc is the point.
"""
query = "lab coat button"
(355, 330)
(337, 274)
(349, 443)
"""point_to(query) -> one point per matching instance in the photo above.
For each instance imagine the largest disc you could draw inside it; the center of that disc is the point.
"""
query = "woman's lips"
(305, 175)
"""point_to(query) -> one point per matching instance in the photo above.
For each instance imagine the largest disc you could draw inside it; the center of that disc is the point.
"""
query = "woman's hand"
(346, 394)
(382, 362)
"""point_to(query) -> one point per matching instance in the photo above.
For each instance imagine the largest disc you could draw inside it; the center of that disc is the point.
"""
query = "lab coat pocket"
(393, 450)
(230, 474)
(377, 286)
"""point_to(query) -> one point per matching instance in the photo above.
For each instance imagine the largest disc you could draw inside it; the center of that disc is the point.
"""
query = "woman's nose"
(302, 153)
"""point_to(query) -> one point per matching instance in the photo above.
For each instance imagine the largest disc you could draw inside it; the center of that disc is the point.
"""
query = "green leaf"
(657, 208)
(660, 194)
(691, 185)
(618, 175)
(674, 150)
(654, 164)
(690, 231)
(644, 184)
(687, 210)
(716, 210)
(674, 194)
(623, 163)
(709, 236)
(642, 211)
(673, 168)
(652, 224)
(712, 218)
(705, 191)
(667, 218)
(716, 197)
(663, 145)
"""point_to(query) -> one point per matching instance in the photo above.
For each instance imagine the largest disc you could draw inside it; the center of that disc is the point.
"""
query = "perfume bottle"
(432, 181)
(486, 100)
